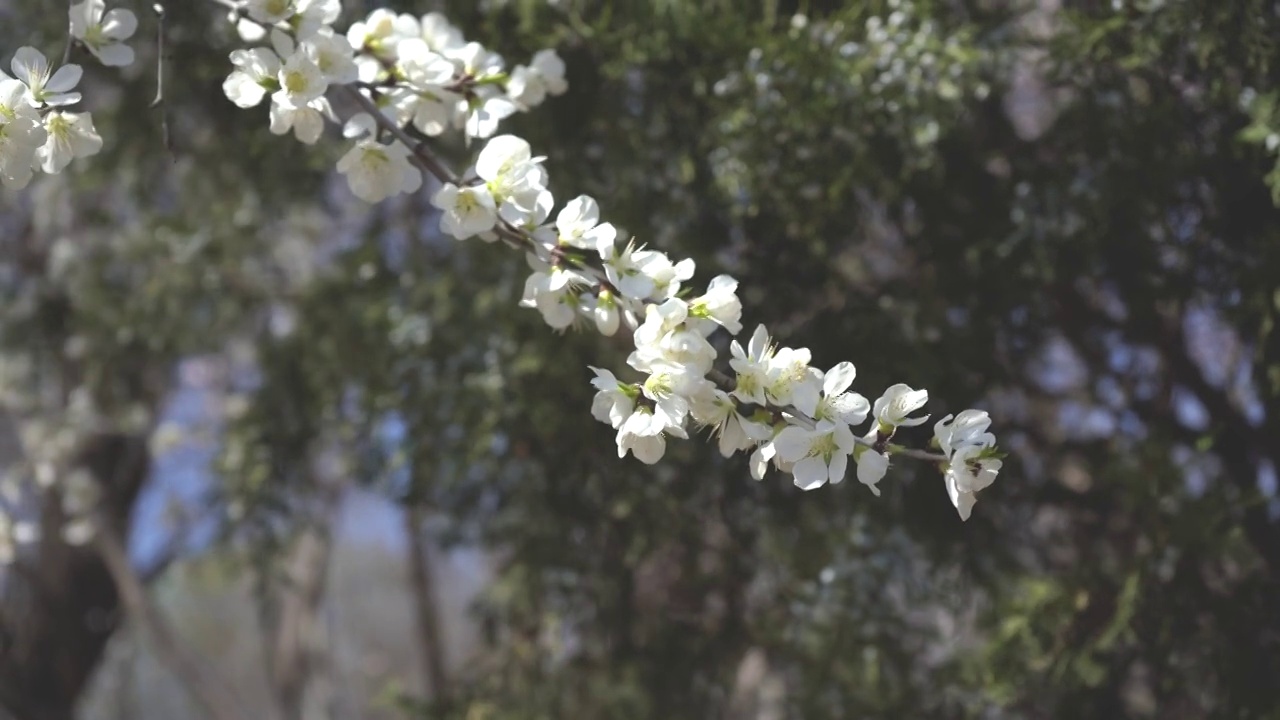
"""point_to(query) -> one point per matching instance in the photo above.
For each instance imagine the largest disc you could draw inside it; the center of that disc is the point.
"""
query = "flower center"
(467, 202)
(295, 81)
(823, 446)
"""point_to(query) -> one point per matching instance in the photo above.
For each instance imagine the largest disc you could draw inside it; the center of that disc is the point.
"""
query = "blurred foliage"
(1063, 216)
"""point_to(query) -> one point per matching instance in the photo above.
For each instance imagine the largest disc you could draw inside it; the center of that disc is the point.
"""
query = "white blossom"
(667, 276)
(431, 111)
(670, 386)
(104, 33)
(872, 467)
(819, 456)
(533, 221)
(68, 136)
(602, 308)
(257, 71)
(487, 114)
(641, 434)
(716, 409)
(423, 68)
(21, 134)
(376, 171)
(752, 366)
(301, 81)
(468, 211)
(314, 17)
(836, 404)
(306, 121)
(718, 306)
(968, 474)
(612, 404)
(660, 320)
(439, 34)
(475, 60)
(639, 273)
(542, 77)
(44, 86)
(897, 402)
(511, 173)
(333, 55)
(270, 12)
(382, 32)
(790, 380)
(552, 290)
(578, 225)
(968, 428)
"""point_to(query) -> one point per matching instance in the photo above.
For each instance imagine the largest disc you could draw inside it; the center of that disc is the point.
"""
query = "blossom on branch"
(103, 32)
(420, 77)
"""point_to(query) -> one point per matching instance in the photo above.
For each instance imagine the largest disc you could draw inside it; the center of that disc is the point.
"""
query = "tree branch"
(210, 691)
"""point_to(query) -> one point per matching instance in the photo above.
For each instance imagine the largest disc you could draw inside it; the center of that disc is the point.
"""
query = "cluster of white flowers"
(420, 74)
(776, 405)
(970, 449)
(36, 133)
(420, 71)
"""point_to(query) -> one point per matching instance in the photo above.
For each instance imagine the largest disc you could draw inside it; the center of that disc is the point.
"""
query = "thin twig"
(71, 40)
(158, 8)
(159, 101)
(428, 160)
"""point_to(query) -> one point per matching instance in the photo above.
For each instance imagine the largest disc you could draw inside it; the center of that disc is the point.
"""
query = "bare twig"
(159, 102)
(427, 160)
(71, 40)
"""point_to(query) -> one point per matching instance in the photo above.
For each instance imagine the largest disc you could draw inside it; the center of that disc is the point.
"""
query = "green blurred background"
(362, 483)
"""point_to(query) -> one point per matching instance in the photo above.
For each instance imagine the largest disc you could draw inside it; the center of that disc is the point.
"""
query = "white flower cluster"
(969, 448)
(420, 71)
(35, 132)
(787, 412)
(420, 74)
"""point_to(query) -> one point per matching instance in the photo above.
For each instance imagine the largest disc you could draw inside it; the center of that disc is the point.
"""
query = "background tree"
(1060, 213)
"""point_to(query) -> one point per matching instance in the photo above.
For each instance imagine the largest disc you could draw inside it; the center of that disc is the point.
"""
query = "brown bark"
(205, 686)
(292, 653)
(58, 610)
(426, 604)
(291, 620)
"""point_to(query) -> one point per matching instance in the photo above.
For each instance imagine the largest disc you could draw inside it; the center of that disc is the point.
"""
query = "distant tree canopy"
(1064, 215)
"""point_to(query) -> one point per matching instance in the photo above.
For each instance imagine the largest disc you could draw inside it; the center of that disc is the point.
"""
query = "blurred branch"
(207, 688)
(183, 521)
(426, 603)
(291, 622)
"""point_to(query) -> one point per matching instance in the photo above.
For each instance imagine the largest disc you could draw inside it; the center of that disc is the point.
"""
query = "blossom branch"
(419, 76)
(428, 160)
(575, 269)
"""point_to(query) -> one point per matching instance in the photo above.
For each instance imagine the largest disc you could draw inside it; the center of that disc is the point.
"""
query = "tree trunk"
(292, 621)
(59, 608)
(426, 603)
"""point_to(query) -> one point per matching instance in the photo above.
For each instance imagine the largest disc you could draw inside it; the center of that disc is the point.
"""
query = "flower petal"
(115, 55)
(810, 473)
(838, 379)
(64, 79)
(119, 24)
